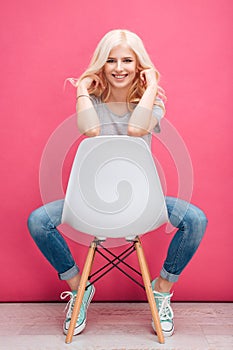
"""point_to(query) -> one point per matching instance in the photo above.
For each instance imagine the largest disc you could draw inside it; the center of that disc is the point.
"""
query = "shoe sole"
(165, 333)
(79, 329)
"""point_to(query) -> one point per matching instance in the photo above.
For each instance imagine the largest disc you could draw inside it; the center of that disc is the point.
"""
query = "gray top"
(115, 124)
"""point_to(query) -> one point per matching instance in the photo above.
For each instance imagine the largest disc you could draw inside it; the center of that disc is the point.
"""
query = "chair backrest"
(114, 190)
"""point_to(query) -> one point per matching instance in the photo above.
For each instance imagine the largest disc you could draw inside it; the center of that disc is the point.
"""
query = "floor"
(116, 326)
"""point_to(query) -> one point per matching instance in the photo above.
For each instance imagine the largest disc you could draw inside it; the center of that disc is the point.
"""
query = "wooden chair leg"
(149, 292)
(81, 290)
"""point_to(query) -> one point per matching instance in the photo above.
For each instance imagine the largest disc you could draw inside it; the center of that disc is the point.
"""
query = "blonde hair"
(100, 56)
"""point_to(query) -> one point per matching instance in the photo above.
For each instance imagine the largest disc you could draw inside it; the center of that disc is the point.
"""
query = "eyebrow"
(131, 57)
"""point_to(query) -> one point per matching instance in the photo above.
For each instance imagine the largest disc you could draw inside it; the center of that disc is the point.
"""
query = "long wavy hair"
(100, 56)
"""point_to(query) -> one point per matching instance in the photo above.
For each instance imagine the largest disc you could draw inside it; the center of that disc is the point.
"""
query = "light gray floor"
(116, 326)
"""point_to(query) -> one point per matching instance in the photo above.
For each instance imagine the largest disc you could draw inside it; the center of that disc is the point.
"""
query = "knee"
(198, 220)
(203, 220)
(45, 218)
(34, 222)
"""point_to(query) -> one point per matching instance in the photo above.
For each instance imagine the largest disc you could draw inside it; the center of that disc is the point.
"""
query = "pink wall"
(44, 42)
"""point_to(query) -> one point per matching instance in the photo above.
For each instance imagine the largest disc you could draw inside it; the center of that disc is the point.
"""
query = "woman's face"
(120, 67)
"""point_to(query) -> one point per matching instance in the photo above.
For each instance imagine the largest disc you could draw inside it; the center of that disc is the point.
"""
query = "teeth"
(120, 76)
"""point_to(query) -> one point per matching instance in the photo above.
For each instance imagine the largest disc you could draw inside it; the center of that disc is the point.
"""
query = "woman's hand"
(92, 80)
(86, 83)
(149, 77)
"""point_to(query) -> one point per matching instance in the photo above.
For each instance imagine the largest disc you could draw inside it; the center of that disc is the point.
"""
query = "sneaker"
(82, 318)
(165, 311)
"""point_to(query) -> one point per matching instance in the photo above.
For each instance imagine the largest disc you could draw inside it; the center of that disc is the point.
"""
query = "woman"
(119, 94)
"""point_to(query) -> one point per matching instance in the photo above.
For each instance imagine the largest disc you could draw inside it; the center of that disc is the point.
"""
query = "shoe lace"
(70, 305)
(165, 310)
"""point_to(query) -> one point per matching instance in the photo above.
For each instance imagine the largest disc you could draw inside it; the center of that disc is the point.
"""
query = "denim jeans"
(189, 220)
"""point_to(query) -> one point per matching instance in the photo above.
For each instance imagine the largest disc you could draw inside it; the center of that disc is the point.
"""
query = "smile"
(119, 76)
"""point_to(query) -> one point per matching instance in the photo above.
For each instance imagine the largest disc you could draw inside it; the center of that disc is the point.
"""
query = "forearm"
(141, 121)
(88, 121)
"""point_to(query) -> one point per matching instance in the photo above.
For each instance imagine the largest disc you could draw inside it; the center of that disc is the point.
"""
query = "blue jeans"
(189, 220)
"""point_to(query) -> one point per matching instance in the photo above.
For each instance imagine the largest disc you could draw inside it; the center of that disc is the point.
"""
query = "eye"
(128, 60)
(110, 60)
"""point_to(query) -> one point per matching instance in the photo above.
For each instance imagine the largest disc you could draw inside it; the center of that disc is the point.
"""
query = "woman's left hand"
(148, 77)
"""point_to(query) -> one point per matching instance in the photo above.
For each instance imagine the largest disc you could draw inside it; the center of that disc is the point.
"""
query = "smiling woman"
(119, 95)
(121, 49)
(121, 72)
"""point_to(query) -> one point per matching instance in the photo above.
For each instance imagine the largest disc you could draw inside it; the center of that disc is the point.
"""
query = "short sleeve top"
(115, 124)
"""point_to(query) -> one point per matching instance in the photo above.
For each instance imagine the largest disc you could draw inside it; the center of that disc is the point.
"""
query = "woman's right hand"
(92, 80)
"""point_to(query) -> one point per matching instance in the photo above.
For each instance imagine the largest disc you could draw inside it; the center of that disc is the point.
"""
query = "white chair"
(114, 191)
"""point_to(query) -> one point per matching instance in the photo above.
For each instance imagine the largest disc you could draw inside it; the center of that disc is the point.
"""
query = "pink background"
(44, 42)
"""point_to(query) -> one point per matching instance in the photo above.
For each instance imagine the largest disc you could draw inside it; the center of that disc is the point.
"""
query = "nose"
(119, 66)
